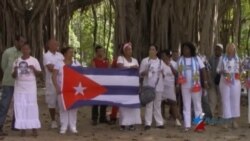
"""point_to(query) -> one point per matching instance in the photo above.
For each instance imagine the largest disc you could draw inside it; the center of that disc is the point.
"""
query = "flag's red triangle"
(200, 126)
(72, 79)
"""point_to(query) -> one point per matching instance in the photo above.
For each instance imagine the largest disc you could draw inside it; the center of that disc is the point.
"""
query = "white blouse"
(126, 63)
(155, 69)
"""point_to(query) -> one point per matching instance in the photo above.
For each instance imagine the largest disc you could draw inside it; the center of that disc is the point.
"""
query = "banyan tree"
(166, 23)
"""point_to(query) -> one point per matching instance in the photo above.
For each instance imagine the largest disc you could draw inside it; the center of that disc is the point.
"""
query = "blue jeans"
(7, 95)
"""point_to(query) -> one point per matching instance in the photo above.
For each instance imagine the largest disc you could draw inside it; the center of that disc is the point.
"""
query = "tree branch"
(76, 4)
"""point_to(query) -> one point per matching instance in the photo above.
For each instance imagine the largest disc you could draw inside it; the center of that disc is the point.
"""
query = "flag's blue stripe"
(106, 71)
(97, 102)
(119, 90)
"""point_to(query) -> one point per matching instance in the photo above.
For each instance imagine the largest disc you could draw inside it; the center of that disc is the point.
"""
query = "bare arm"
(120, 65)
(54, 80)
(50, 67)
(14, 73)
(93, 64)
(204, 75)
(36, 72)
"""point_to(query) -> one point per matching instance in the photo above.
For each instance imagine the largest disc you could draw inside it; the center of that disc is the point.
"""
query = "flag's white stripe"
(123, 99)
(116, 80)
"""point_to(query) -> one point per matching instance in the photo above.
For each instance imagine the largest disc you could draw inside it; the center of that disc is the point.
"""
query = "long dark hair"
(167, 52)
(191, 47)
(65, 50)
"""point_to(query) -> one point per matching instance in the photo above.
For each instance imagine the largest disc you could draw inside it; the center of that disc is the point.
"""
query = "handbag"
(147, 94)
(217, 79)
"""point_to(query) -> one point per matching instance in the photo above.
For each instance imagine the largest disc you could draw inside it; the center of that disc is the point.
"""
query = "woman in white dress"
(128, 116)
(230, 85)
(26, 111)
(151, 70)
(189, 68)
(68, 118)
(169, 81)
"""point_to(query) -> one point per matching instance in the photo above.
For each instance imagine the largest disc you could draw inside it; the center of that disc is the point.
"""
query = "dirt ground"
(103, 132)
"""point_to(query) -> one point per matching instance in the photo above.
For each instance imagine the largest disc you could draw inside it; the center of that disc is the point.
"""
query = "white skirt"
(169, 93)
(130, 116)
(25, 106)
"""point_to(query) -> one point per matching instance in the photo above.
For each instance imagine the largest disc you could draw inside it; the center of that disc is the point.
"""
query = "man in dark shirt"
(214, 94)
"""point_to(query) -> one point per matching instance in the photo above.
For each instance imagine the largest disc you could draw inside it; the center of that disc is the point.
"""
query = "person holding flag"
(50, 59)
(230, 86)
(100, 61)
(114, 109)
(67, 117)
(128, 116)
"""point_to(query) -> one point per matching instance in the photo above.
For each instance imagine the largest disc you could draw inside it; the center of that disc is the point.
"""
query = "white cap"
(219, 45)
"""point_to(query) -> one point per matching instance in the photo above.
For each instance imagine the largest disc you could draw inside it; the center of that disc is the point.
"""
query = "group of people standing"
(181, 81)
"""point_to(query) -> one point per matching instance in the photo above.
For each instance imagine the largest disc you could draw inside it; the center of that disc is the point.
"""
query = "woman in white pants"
(189, 68)
(230, 86)
(151, 70)
(67, 117)
(129, 117)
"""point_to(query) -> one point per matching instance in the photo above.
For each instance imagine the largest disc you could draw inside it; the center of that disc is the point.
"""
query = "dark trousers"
(7, 95)
(206, 107)
(101, 114)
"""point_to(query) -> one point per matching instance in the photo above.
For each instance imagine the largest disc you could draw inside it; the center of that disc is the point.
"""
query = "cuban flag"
(95, 86)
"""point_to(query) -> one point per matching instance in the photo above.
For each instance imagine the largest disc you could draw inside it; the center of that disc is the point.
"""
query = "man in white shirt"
(50, 59)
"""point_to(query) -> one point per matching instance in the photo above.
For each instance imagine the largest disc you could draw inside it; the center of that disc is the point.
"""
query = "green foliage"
(81, 29)
(245, 28)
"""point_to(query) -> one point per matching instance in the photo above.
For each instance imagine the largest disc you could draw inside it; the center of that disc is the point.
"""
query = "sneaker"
(177, 122)
(187, 129)
(131, 128)
(73, 130)
(54, 125)
(160, 127)
(122, 128)
(62, 131)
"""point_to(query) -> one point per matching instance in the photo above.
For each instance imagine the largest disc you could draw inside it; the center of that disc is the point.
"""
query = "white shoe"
(177, 122)
(54, 125)
(187, 129)
(62, 131)
(73, 130)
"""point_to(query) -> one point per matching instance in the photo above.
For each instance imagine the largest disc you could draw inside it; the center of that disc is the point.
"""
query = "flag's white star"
(79, 89)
